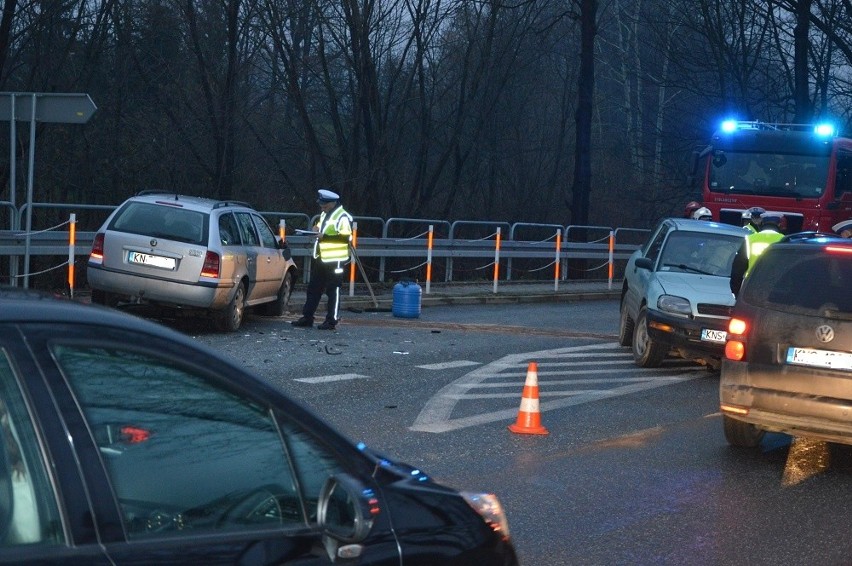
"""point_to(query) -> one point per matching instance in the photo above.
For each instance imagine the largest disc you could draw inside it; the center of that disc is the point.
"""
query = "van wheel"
(646, 352)
(231, 317)
(741, 434)
(279, 305)
(625, 327)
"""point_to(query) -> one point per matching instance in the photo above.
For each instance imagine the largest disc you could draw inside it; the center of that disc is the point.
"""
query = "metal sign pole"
(30, 169)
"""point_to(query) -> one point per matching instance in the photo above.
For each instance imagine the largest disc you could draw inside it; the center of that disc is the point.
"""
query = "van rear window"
(804, 279)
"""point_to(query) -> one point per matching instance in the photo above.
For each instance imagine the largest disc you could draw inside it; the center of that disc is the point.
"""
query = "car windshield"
(768, 174)
(699, 252)
(161, 221)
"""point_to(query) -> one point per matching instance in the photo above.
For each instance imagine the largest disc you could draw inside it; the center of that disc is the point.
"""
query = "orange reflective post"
(496, 260)
(556, 268)
(429, 258)
(282, 230)
(72, 238)
(354, 244)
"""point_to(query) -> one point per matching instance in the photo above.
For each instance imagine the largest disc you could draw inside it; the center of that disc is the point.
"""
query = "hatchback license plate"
(148, 259)
(819, 358)
(710, 335)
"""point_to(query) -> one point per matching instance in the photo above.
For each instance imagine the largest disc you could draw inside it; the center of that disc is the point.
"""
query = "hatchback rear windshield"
(806, 279)
(162, 221)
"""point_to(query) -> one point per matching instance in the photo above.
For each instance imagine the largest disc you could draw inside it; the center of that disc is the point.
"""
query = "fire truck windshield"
(768, 174)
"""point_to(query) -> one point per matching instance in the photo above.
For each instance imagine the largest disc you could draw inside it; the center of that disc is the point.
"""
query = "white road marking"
(436, 415)
(450, 365)
(329, 378)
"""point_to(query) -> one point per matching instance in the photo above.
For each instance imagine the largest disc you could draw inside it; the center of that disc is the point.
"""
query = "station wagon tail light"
(735, 346)
(97, 248)
(211, 265)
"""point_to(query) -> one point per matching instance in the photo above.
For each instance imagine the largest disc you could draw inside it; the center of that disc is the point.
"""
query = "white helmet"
(702, 213)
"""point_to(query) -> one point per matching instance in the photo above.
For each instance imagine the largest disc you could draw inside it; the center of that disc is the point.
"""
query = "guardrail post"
(611, 250)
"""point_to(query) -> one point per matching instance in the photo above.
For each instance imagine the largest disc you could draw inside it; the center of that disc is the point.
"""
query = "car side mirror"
(644, 263)
(345, 512)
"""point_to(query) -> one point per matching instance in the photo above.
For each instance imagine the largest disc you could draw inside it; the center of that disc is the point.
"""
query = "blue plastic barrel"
(406, 299)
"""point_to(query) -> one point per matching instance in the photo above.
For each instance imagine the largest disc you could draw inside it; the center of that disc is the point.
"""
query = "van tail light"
(211, 265)
(98, 248)
(735, 346)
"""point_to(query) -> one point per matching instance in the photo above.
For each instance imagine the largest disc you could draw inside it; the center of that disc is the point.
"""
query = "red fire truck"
(801, 171)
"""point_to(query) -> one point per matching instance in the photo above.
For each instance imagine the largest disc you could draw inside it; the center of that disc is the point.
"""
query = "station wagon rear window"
(781, 272)
(162, 221)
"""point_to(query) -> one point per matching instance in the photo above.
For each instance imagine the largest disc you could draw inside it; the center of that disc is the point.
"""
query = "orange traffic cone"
(529, 416)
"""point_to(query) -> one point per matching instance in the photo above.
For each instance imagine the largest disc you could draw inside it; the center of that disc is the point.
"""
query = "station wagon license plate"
(153, 260)
(710, 335)
(819, 358)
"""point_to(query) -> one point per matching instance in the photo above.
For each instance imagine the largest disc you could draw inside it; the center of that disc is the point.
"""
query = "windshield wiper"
(685, 267)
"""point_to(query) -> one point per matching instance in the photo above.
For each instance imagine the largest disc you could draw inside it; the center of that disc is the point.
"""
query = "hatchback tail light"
(211, 265)
(735, 346)
(97, 247)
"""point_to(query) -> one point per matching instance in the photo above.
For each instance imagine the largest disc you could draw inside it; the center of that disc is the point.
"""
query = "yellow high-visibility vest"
(335, 232)
(757, 244)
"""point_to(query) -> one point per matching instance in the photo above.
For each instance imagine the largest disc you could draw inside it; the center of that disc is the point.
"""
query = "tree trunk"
(586, 89)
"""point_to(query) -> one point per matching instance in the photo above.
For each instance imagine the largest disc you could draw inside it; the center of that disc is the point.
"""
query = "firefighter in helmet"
(751, 219)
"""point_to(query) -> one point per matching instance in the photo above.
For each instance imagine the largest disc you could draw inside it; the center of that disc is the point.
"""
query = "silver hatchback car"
(191, 253)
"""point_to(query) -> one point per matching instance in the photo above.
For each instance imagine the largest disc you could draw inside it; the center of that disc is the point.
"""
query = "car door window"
(652, 251)
(28, 510)
(183, 453)
(247, 231)
(267, 238)
(229, 232)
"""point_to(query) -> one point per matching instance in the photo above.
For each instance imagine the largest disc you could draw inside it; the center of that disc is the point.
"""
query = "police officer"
(331, 254)
(751, 219)
(755, 244)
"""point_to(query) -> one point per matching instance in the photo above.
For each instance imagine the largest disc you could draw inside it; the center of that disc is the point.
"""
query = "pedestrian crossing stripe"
(329, 378)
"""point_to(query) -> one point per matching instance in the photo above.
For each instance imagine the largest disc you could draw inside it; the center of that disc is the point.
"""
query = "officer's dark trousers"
(324, 279)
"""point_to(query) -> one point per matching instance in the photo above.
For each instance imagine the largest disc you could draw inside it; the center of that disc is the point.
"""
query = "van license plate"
(710, 335)
(153, 260)
(819, 358)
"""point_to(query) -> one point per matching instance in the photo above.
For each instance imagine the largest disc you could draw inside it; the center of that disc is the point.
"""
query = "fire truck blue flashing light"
(729, 126)
(824, 130)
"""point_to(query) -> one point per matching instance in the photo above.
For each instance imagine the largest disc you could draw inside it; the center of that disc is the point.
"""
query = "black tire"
(279, 305)
(625, 327)
(103, 298)
(646, 352)
(231, 317)
(741, 434)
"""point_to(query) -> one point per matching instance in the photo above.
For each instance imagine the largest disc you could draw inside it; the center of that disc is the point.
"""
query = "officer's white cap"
(840, 226)
(325, 196)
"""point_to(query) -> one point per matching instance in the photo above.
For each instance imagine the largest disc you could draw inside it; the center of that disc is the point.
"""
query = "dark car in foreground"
(125, 442)
(676, 297)
(788, 357)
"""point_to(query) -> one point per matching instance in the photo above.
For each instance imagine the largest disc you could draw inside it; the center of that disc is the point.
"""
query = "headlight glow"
(489, 508)
(674, 304)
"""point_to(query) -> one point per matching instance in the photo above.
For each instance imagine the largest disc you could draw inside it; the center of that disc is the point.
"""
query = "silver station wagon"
(191, 253)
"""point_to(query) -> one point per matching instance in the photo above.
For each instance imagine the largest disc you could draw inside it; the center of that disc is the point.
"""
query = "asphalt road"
(634, 470)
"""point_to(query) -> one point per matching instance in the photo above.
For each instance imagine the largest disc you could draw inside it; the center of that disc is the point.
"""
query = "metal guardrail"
(447, 243)
(56, 243)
